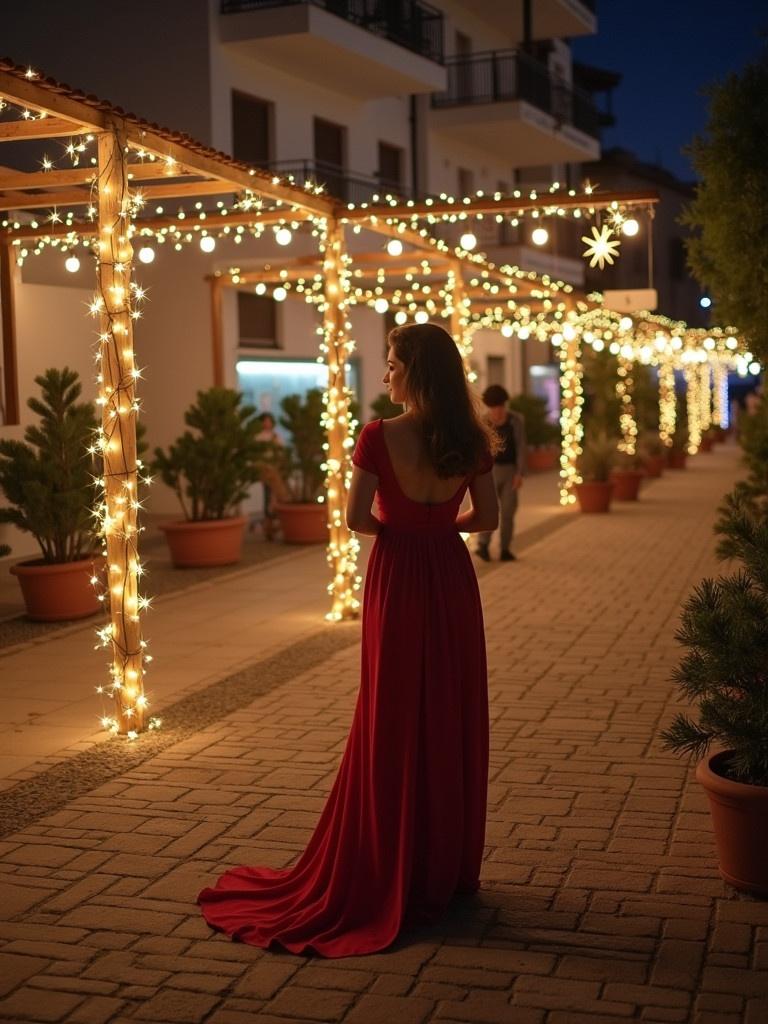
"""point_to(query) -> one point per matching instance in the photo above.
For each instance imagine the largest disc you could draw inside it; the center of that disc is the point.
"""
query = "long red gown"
(403, 828)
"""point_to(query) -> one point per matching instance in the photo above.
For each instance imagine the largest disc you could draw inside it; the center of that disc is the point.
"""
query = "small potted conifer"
(595, 465)
(211, 467)
(541, 434)
(725, 630)
(652, 453)
(48, 481)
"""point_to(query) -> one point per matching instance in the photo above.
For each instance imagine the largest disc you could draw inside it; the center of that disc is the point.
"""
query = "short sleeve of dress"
(364, 455)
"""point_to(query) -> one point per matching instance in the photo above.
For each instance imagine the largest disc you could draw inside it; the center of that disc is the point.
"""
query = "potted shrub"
(303, 514)
(542, 436)
(595, 464)
(47, 480)
(210, 468)
(626, 476)
(677, 452)
(383, 408)
(652, 454)
(723, 672)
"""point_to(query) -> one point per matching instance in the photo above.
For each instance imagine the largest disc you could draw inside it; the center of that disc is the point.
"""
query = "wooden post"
(625, 386)
(571, 401)
(342, 544)
(118, 439)
(10, 364)
(456, 295)
(667, 400)
(217, 329)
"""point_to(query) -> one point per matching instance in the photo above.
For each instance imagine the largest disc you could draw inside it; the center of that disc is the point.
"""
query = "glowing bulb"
(705, 302)
(279, 294)
(72, 264)
(539, 236)
(261, 288)
(401, 317)
(626, 323)
(394, 247)
(754, 368)
(630, 227)
(468, 240)
(283, 236)
(421, 316)
(381, 305)
(207, 243)
(506, 330)
(146, 254)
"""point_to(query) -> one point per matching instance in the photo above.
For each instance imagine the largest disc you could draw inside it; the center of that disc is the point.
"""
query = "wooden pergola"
(122, 164)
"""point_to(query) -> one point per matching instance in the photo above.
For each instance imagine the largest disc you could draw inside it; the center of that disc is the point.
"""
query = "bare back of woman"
(410, 463)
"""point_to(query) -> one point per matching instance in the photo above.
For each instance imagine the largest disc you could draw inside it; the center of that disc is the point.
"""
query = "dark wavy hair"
(456, 435)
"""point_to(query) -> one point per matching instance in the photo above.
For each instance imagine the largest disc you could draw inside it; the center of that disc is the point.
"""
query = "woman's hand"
(483, 517)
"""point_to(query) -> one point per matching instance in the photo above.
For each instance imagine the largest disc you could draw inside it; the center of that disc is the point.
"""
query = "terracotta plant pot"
(706, 444)
(626, 484)
(676, 459)
(55, 592)
(539, 460)
(653, 465)
(594, 495)
(197, 545)
(304, 524)
(740, 820)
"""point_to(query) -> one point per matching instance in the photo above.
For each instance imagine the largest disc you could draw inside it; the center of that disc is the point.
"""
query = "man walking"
(508, 468)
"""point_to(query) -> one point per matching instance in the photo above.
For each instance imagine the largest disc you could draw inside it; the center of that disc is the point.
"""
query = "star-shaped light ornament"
(602, 247)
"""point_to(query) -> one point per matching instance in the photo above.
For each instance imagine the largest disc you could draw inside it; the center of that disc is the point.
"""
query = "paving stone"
(310, 1004)
(33, 1004)
(15, 969)
(382, 1009)
(176, 1007)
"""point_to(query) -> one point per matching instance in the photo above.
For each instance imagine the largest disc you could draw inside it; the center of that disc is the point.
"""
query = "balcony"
(339, 183)
(550, 19)
(506, 101)
(369, 48)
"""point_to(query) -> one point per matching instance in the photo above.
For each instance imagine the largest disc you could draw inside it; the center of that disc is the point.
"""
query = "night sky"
(667, 51)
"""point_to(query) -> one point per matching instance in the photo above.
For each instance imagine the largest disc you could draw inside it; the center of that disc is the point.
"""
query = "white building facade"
(404, 97)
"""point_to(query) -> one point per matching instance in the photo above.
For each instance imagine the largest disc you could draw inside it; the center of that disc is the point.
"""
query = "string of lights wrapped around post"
(720, 410)
(625, 393)
(667, 399)
(337, 346)
(119, 505)
(571, 426)
(705, 396)
(693, 405)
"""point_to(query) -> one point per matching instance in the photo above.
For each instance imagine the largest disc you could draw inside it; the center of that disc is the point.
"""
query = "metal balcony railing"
(413, 24)
(502, 75)
(339, 183)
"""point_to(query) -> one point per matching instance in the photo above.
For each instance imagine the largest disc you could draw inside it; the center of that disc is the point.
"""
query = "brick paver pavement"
(601, 900)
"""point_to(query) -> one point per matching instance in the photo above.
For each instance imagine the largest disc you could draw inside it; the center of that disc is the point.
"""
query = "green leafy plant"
(302, 463)
(540, 432)
(679, 437)
(214, 463)
(626, 462)
(729, 251)
(602, 406)
(725, 669)
(597, 459)
(383, 408)
(650, 445)
(753, 435)
(48, 477)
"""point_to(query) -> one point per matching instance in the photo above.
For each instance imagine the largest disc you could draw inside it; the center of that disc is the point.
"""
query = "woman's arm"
(484, 514)
(361, 491)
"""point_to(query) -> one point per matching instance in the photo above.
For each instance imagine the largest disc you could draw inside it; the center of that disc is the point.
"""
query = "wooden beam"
(87, 229)
(30, 94)
(55, 178)
(45, 128)
(506, 204)
(83, 197)
(10, 361)
(217, 332)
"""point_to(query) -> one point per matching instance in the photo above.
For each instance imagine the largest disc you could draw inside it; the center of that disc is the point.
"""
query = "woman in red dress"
(403, 828)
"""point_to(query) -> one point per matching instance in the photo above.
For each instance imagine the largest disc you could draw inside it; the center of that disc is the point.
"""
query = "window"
(466, 181)
(496, 371)
(329, 141)
(257, 321)
(390, 171)
(251, 129)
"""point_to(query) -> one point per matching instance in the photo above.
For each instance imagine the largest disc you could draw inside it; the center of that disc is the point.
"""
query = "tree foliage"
(48, 477)
(728, 253)
(539, 429)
